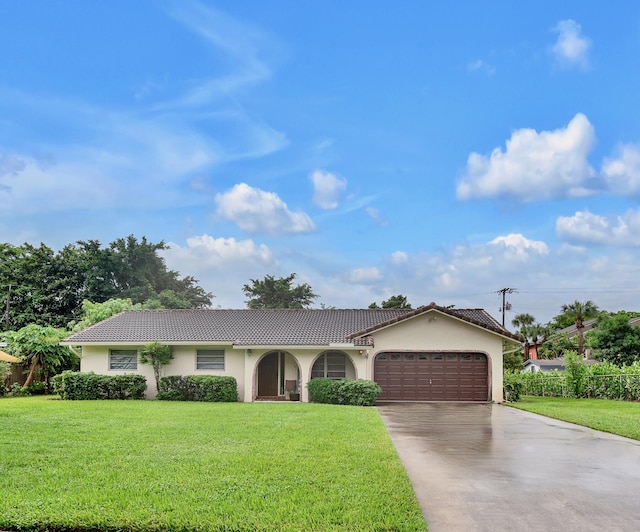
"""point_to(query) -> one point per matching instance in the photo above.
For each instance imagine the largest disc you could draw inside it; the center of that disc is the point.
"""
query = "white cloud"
(217, 252)
(535, 166)
(327, 189)
(587, 228)
(376, 216)
(251, 52)
(221, 265)
(571, 47)
(622, 173)
(481, 66)
(364, 275)
(399, 257)
(518, 247)
(259, 212)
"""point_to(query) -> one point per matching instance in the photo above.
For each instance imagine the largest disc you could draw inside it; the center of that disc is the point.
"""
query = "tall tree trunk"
(32, 372)
(580, 342)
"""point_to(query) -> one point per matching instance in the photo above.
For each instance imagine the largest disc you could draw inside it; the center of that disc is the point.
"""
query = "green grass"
(153, 465)
(616, 417)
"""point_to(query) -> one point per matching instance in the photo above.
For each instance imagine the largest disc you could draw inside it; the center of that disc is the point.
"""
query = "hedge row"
(359, 392)
(209, 388)
(74, 386)
(596, 381)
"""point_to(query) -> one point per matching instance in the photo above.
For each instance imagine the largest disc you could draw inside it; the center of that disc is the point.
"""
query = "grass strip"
(152, 465)
(615, 417)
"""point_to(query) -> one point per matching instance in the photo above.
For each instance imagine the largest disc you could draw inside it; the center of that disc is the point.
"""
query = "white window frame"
(123, 359)
(331, 369)
(210, 359)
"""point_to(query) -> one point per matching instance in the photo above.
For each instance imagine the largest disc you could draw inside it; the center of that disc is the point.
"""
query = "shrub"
(576, 372)
(513, 385)
(359, 392)
(78, 386)
(322, 391)
(210, 388)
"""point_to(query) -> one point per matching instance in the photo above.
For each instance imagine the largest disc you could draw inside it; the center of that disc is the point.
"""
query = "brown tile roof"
(254, 327)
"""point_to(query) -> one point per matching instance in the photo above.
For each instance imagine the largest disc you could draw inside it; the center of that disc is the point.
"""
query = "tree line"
(43, 287)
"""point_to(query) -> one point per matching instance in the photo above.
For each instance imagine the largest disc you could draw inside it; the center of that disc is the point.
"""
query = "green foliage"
(78, 386)
(47, 288)
(272, 293)
(576, 372)
(512, 360)
(359, 392)
(39, 347)
(323, 391)
(513, 385)
(209, 388)
(557, 346)
(93, 313)
(616, 341)
(5, 372)
(596, 381)
(156, 355)
(398, 301)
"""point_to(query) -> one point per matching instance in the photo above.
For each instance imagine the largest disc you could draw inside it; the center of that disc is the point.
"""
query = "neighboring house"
(548, 365)
(428, 354)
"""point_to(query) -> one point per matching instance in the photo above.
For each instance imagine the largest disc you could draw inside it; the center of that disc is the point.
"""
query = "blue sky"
(438, 150)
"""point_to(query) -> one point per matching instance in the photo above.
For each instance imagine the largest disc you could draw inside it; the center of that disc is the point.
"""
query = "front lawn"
(153, 465)
(616, 417)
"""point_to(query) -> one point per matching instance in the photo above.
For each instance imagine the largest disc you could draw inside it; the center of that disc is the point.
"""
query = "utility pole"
(505, 306)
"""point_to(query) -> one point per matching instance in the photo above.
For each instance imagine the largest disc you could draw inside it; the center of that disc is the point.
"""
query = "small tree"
(157, 355)
(272, 293)
(616, 340)
(398, 301)
(93, 313)
(39, 347)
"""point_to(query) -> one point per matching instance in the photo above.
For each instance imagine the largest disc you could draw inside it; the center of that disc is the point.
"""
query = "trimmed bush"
(210, 388)
(323, 391)
(359, 392)
(78, 386)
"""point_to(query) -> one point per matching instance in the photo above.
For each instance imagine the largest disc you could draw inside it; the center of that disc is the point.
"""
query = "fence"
(623, 386)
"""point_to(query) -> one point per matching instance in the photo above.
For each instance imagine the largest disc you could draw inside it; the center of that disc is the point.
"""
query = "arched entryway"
(277, 373)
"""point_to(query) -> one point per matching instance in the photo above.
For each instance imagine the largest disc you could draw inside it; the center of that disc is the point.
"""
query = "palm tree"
(523, 322)
(579, 312)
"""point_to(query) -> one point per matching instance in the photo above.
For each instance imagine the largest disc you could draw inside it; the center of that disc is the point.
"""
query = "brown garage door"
(432, 376)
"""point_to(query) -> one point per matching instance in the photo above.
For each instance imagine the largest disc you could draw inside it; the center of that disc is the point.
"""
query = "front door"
(268, 376)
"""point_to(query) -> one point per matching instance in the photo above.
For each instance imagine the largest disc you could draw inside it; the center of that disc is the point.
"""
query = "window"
(210, 359)
(330, 365)
(120, 359)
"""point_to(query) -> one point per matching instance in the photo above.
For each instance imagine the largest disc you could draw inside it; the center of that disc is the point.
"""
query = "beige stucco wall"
(96, 359)
(239, 363)
(434, 331)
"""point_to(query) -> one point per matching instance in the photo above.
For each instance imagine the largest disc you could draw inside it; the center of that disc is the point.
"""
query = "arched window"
(332, 365)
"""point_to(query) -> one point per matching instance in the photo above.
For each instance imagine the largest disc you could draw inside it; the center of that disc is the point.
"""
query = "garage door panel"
(428, 376)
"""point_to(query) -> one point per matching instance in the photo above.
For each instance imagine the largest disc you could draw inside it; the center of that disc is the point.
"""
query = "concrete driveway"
(494, 468)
